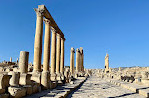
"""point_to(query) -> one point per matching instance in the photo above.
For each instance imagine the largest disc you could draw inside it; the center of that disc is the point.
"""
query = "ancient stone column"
(58, 53)
(82, 59)
(53, 51)
(72, 51)
(77, 60)
(45, 77)
(38, 40)
(10, 59)
(62, 56)
(47, 43)
(107, 63)
(17, 60)
(23, 62)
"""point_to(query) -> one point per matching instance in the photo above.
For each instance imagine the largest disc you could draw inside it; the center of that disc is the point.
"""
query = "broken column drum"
(23, 62)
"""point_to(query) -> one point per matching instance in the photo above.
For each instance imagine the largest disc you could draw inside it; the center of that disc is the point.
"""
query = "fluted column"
(77, 60)
(53, 54)
(62, 56)
(72, 51)
(58, 53)
(47, 43)
(38, 40)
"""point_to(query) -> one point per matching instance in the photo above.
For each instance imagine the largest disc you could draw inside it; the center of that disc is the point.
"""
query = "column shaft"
(53, 51)
(58, 53)
(77, 60)
(38, 40)
(47, 40)
(72, 61)
(62, 56)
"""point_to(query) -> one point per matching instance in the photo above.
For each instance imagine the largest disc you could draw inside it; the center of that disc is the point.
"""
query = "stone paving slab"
(95, 87)
(141, 89)
(59, 91)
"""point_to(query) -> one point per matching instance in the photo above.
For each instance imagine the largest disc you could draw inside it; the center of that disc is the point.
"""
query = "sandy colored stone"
(23, 62)
(47, 40)
(58, 53)
(72, 51)
(53, 51)
(38, 40)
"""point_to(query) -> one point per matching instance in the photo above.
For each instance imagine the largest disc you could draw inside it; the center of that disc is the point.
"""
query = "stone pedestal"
(4, 81)
(53, 77)
(36, 77)
(14, 81)
(45, 80)
(25, 79)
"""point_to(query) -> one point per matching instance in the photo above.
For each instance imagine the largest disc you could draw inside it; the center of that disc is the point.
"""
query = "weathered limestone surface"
(23, 62)
(81, 59)
(107, 63)
(77, 60)
(53, 51)
(58, 53)
(72, 51)
(60, 91)
(62, 59)
(95, 87)
(47, 43)
(38, 40)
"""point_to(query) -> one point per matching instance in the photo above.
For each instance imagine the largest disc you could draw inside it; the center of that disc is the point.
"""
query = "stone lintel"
(48, 16)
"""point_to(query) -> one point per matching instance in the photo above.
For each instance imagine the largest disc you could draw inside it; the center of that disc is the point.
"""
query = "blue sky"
(117, 27)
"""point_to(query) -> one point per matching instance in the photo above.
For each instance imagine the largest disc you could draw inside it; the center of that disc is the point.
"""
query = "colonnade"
(56, 46)
(79, 60)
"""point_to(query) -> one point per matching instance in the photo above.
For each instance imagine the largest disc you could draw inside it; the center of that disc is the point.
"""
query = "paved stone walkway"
(95, 87)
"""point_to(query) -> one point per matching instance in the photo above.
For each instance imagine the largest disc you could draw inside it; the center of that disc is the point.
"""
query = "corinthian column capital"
(53, 30)
(47, 21)
(39, 12)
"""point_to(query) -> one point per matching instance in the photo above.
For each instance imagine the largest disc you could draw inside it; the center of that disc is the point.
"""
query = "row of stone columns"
(79, 60)
(57, 49)
(57, 46)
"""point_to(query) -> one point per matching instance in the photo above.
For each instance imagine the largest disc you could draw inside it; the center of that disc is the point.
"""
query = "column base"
(45, 80)
(25, 79)
(36, 77)
(53, 77)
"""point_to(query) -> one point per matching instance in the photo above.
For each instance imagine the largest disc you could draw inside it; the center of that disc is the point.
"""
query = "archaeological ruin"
(20, 79)
(51, 76)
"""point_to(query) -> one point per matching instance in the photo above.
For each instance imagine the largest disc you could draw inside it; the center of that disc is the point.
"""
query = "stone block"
(53, 84)
(144, 92)
(2, 91)
(29, 89)
(25, 79)
(17, 92)
(36, 77)
(4, 95)
(36, 88)
(45, 80)
(4, 81)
